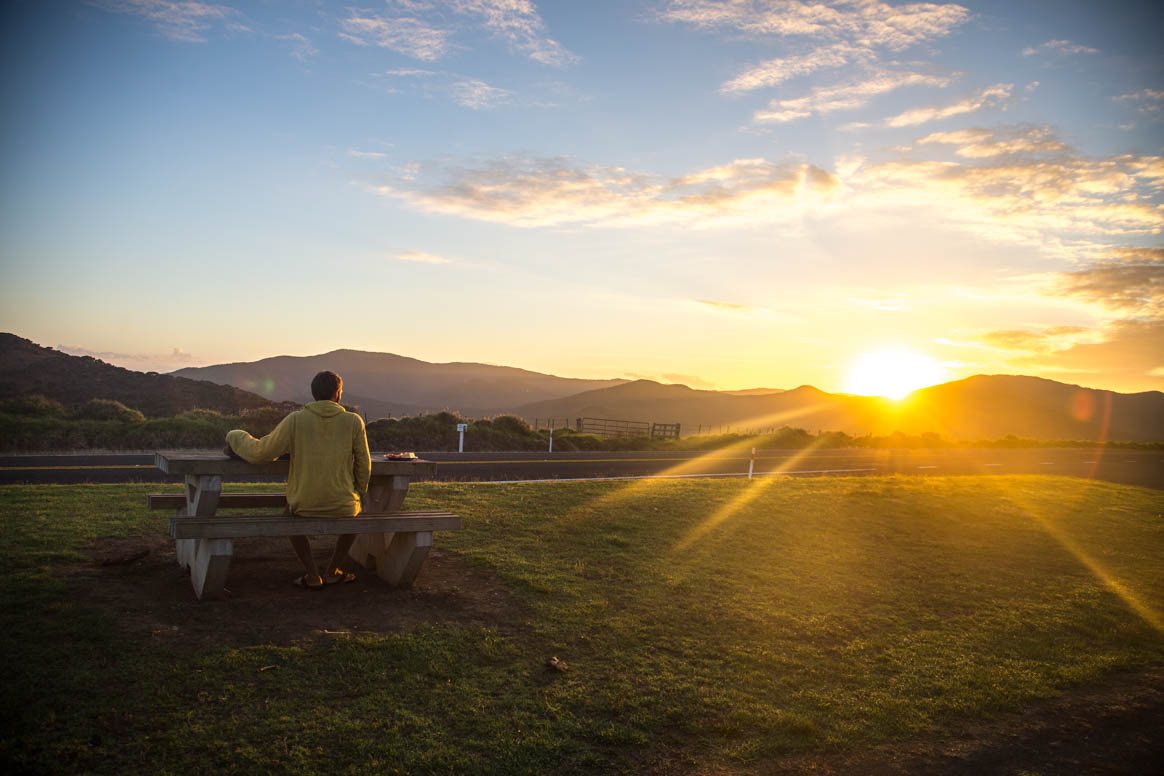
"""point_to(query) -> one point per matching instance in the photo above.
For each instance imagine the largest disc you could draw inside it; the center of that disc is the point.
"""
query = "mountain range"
(979, 407)
(384, 384)
(29, 369)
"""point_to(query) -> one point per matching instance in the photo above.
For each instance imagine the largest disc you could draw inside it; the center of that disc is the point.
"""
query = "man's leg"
(303, 550)
(342, 544)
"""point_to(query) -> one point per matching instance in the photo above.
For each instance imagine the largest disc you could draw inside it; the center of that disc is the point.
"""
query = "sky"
(723, 193)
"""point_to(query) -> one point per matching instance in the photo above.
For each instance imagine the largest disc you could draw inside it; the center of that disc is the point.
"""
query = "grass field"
(706, 624)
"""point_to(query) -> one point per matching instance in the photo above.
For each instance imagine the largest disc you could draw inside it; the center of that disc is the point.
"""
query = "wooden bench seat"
(393, 544)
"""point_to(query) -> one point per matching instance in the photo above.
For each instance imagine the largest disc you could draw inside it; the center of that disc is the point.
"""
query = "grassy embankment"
(705, 622)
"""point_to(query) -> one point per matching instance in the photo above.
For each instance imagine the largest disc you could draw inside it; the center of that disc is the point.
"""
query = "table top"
(180, 462)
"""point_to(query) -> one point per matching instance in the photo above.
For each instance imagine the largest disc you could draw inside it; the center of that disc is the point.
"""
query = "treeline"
(36, 424)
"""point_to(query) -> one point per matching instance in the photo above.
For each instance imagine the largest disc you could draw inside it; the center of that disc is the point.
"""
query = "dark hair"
(325, 384)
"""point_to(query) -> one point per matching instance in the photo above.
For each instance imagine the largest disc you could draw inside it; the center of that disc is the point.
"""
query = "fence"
(626, 429)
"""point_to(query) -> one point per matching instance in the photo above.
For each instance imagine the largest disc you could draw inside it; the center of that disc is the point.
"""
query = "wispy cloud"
(1145, 100)
(530, 192)
(184, 20)
(850, 96)
(986, 143)
(465, 91)
(420, 257)
(776, 71)
(1060, 47)
(867, 22)
(996, 96)
(403, 34)
(301, 47)
(358, 154)
(729, 306)
(519, 24)
(832, 33)
(425, 30)
(1025, 198)
(1134, 286)
(478, 95)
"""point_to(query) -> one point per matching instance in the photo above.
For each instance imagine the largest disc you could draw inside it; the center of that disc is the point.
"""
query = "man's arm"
(362, 470)
(262, 450)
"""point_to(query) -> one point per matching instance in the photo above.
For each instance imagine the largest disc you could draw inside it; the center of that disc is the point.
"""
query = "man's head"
(327, 386)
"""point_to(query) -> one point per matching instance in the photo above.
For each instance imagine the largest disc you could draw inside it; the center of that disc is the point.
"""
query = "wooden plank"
(403, 557)
(225, 501)
(210, 567)
(219, 464)
(281, 525)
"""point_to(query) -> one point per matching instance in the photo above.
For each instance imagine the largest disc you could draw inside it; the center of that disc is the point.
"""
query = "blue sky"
(726, 194)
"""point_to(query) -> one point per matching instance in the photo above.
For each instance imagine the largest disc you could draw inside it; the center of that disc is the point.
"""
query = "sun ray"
(749, 494)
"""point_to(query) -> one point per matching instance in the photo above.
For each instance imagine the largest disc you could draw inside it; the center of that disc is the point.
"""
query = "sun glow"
(892, 373)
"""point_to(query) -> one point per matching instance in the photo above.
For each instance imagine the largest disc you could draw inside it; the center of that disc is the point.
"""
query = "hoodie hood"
(325, 408)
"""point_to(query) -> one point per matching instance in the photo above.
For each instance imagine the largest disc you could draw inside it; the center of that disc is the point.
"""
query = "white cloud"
(420, 257)
(779, 70)
(301, 47)
(424, 30)
(518, 23)
(183, 20)
(850, 96)
(478, 95)
(985, 143)
(357, 153)
(1059, 46)
(870, 23)
(833, 32)
(996, 96)
(405, 35)
(531, 192)
(1145, 100)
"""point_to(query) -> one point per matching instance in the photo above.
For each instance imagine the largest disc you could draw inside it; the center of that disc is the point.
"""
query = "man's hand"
(229, 452)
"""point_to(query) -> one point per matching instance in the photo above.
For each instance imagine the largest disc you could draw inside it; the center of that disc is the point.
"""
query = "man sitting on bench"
(330, 468)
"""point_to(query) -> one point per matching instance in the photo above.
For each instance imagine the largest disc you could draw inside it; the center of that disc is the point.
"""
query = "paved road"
(1133, 467)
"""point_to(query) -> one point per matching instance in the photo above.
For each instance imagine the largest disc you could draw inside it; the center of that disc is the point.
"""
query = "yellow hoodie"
(330, 462)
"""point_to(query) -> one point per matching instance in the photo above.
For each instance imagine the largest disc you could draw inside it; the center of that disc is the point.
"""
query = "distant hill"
(27, 368)
(980, 407)
(385, 383)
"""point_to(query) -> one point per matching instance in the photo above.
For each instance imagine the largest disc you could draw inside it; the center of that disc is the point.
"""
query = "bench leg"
(395, 557)
(209, 566)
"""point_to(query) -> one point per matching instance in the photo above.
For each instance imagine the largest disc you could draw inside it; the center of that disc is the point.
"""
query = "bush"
(511, 424)
(34, 406)
(107, 409)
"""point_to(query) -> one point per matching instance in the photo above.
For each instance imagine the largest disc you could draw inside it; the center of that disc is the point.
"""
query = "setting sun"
(892, 373)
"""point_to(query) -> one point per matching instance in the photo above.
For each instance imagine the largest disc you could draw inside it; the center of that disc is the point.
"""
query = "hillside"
(385, 383)
(979, 407)
(27, 368)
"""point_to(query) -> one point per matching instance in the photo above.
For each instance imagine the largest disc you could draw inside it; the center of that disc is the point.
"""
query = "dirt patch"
(137, 579)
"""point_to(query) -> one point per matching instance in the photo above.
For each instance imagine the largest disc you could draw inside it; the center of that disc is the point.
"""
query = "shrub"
(36, 406)
(511, 424)
(107, 409)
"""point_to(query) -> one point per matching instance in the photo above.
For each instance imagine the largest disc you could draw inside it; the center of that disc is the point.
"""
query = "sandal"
(301, 582)
(336, 576)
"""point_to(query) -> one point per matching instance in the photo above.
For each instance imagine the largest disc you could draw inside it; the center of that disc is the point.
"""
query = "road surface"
(1132, 467)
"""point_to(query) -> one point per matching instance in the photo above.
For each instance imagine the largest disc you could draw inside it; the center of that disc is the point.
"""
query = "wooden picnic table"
(395, 546)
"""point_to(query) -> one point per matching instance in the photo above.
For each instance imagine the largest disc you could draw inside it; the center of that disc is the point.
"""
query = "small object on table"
(400, 456)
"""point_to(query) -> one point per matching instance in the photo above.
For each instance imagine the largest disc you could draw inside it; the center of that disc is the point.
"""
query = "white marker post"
(461, 440)
(752, 463)
(551, 440)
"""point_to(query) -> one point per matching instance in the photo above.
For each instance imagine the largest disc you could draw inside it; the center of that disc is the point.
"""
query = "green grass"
(705, 623)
